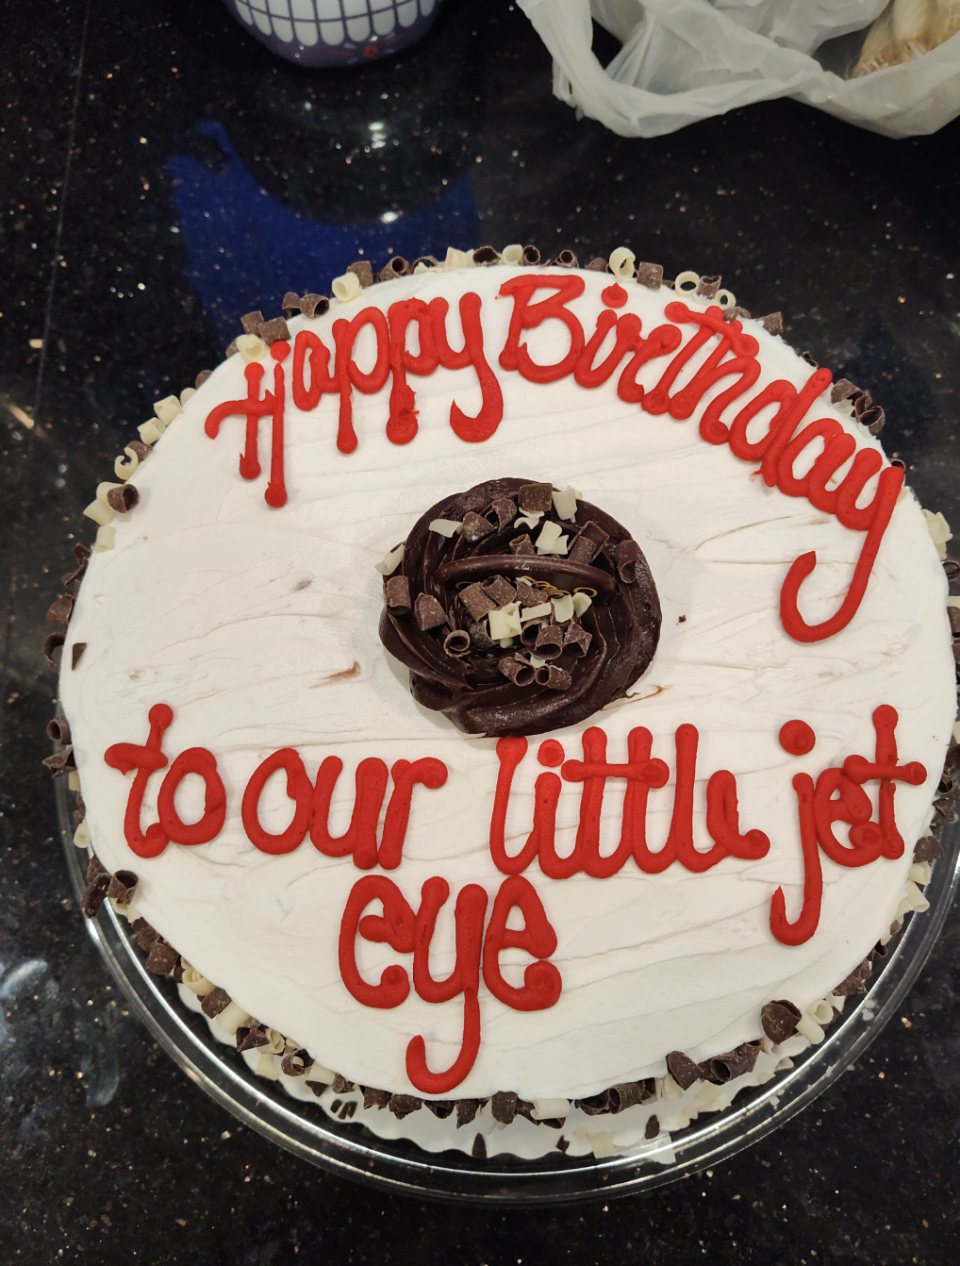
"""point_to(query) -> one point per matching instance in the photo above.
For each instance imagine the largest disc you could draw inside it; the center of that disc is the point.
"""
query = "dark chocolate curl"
(252, 323)
(549, 643)
(373, 1098)
(480, 635)
(531, 631)
(402, 1105)
(122, 887)
(296, 1063)
(94, 868)
(476, 601)
(146, 935)
(874, 419)
(517, 670)
(736, 313)
(231, 349)
(60, 610)
(313, 306)
(522, 546)
(708, 286)
(479, 1149)
(778, 1019)
(554, 678)
(211, 1004)
(162, 958)
(843, 389)
(290, 303)
(530, 255)
(121, 500)
(201, 378)
(441, 1108)
(52, 643)
(567, 259)
(723, 1068)
(808, 357)
(594, 1105)
(628, 1094)
(503, 1105)
(682, 1069)
(250, 1035)
(576, 638)
(588, 543)
(428, 261)
(650, 275)
(61, 762)
(499, 590)
(93, 896)
(628, 555)
(75, 651)
(485, 256)
(773, 322)
(856, 982)
(396, 594)
(652, 1128)
(505, 508)
(340, 1085)
(397, 267)
(927, 850)
(275, 331)
(467, 1110)
(58, 730)
(363, 271)
(598, 265)
(82, 553)
(428, 612)
(535, 498)
(457, 643)
(475, 527)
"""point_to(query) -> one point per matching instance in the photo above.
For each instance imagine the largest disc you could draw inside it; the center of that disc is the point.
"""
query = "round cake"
(507, 698)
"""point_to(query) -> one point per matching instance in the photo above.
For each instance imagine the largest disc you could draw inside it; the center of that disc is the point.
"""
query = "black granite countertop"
(160, 174)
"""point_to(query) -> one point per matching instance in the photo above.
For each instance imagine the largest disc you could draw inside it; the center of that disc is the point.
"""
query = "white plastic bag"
(684, 60)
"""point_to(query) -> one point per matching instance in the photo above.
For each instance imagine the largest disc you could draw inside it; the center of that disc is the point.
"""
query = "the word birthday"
(837, 795)
(715, 350)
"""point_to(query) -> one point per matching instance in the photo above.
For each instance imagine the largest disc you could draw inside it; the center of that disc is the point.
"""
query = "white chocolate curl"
(458, 259)
(505, 622)
(390, 562)
(105, 539)
(687, 283)
(622, 263)
(512, 254)
(124, 468)
(551, 540)
(580, 602)
(563, 609)
(939, 530)
(187, 394)
(565, 503)
(251, 348)
(151, 431)
(345, 288)
(446, 527)
(167, 409)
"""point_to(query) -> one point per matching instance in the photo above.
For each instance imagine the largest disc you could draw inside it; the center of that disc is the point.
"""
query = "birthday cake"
(510, 700)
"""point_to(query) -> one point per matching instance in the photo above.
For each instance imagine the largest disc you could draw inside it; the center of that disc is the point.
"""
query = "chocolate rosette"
(519, 609)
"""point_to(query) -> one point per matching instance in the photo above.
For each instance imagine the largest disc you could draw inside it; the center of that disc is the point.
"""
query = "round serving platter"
(351, 1151)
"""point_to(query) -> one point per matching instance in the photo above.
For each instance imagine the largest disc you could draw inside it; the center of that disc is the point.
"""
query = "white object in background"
(684, 60)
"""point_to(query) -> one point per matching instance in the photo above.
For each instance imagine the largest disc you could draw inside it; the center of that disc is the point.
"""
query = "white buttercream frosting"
(259, 627)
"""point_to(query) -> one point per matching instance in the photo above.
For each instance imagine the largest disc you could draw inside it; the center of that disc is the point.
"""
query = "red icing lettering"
(360, 838)
(271, 404)
(589, 374)
(298, 789)
(723, 821)
(884, 766)
(428, 772)
(145, 760)
(663, 340)
(803, 928)
(541, 980)
(888, 489)
(310, 352)
(195, 760)
(614, 296)
(350, 375)
(797, 738)
(395, 928)
(471, 429)
(469, 916)
(743, 364)
(510, 752)
(527, 315)
(402, 422)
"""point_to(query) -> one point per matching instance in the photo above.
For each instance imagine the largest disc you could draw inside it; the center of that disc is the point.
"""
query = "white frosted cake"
(507, 699)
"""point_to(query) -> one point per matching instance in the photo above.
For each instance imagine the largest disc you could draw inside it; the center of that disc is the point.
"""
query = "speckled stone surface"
(160, 174)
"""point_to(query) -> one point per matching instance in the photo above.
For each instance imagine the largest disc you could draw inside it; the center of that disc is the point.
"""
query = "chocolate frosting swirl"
(486, 688)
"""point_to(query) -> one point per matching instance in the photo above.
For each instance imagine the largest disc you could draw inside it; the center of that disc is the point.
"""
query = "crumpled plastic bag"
(684, 60)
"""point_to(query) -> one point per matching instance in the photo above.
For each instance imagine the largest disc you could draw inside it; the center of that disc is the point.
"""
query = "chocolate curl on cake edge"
(623, 619)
